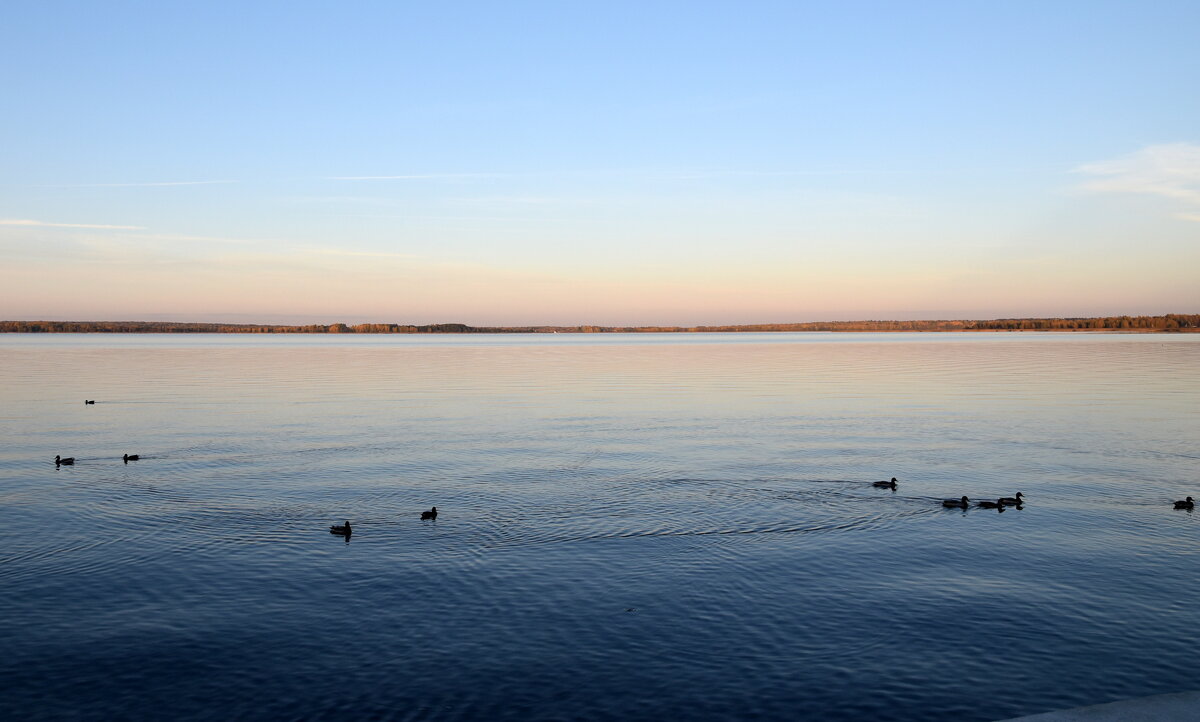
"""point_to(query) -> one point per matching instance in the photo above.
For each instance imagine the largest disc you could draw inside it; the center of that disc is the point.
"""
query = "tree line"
(1169, 322)
(1173, 322)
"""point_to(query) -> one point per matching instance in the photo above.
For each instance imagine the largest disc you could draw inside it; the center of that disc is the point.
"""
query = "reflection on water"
(630, 527)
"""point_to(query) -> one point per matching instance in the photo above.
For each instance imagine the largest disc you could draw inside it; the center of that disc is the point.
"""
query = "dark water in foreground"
(631, 527)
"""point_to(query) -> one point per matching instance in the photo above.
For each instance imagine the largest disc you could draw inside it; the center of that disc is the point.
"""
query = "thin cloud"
(47, 224)
(208, 239)
(142, 185)
(344, 253)
(1169, 171)
(506, 200)
(706, 174)
(641, 173)
(425, 176)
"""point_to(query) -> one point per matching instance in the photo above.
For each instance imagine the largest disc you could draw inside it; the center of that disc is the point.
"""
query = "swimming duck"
(130, 457)
(886, 484)
(431, 514)
(59, 460)
(340, 529)
(1013, 500)
(89, 401)
(997, 504)
(956, 503)
(1185, 504)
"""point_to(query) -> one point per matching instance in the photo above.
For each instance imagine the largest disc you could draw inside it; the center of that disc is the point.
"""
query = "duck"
(956, 503)
(431, 514)
(89, 401)
(60, 460)
(997, 504)
(1013, 500)
(341, 529)
(886, 484)
(1185, 504)
(130, 457)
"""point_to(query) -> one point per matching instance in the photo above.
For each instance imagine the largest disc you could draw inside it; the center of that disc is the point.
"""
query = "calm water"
(631, 527)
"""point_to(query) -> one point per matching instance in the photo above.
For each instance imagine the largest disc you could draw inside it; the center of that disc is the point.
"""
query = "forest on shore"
(1173, 322)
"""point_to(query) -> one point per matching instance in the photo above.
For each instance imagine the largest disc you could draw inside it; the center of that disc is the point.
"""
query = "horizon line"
(1189, 321)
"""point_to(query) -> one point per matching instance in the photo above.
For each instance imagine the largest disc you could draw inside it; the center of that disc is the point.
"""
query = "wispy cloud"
(346, 253)
(629, 172)
(1170, 171)
(707, 174)
(376, 200)
(422, 176)
(47, 224)
(528, 200)
(141, 185)
(145, 235)
(209, 239)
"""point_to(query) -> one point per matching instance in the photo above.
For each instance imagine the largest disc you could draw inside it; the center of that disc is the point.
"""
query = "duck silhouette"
(1013, 500)
(997, 504)
(1185, 504)
(89, 401)
(130, 457)
(886, 484)
(431, 514)
(60, 460)
(956, 503)
(341, 529)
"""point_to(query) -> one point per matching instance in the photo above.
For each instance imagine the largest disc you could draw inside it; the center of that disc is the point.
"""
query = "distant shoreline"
(1169, 323)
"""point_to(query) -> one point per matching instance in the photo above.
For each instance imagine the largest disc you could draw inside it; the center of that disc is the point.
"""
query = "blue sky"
(603, 163)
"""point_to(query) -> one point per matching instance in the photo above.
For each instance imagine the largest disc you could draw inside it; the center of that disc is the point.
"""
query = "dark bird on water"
(59, 460)
(130, 457)
(1185, 504)
(1013, 500)
(89, 401)
(956, 503)
(431, 514)
(886, 484)
(341, 529)
(997, 504)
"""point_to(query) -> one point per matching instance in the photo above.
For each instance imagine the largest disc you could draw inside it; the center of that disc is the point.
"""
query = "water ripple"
(629, 528)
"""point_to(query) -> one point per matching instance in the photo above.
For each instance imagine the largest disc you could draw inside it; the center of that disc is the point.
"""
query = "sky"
(612, 163)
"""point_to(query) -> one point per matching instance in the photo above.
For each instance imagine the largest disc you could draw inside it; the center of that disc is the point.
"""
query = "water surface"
(631, 526)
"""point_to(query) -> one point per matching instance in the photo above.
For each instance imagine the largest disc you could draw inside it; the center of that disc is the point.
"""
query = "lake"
(630, 527)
